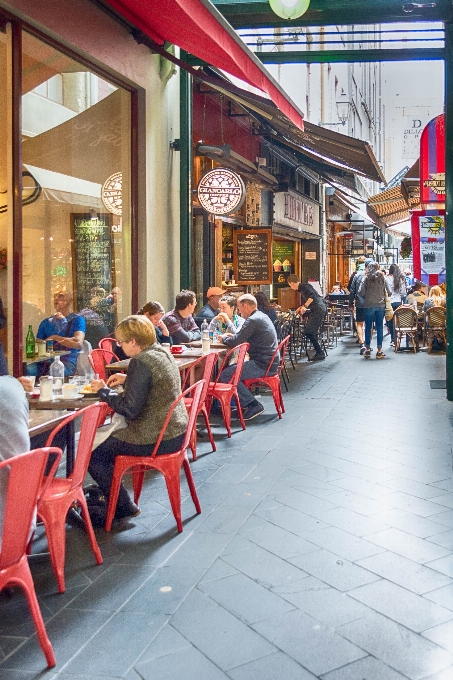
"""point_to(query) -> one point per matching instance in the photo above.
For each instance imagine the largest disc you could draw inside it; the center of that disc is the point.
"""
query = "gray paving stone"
(299, 500)
(413, 488)
(415, 577)
(444, 539)
(313, 645)
(310, 485)
(446, 500)
(189, 664)
(276, 665)
(265, 568)
(358, 503)
(442, 596)
(442, 635)
(343, 543)
(444, 518)
(294, 521)
(323, 474)
(443, 564)
(368, 668)
(224, 639)
(350, 521)
(245, 599)
(401, 605)
(408, 521)
(396, 646)
(327, 605)
(407, 545)
(277, 540)
(419, 506)
(167, 641)
(335, 571)
(446, 674)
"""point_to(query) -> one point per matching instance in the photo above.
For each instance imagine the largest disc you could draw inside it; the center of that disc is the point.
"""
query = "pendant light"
(289, 9)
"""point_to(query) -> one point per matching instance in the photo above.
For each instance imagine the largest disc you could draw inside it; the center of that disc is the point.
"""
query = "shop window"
(5, 215)
(76, 145)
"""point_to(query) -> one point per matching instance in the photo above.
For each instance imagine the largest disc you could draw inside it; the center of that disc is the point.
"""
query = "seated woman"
(151, 386)
(416, 296)
(227, 321)
(435, 299)
(154, 312)
(337, 289)
(265, 307)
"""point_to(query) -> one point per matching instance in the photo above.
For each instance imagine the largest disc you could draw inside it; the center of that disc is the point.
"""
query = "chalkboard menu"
(92, 257)
(252, 256)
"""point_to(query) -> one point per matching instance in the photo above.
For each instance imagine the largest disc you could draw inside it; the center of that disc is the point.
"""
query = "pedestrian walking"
(396, 283)
(359, 301)
(373, 288)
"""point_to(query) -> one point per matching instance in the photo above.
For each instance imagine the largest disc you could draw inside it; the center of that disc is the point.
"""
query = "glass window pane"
(76, 237)
(5, 217)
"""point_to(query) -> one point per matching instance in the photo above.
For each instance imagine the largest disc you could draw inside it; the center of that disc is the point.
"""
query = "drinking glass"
(46, 386)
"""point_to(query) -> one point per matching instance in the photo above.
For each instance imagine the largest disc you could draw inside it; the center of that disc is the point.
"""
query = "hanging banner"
(432, 162)
(428, 246)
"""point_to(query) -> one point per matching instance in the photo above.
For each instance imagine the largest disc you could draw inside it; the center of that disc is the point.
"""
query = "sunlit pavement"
(324, 549)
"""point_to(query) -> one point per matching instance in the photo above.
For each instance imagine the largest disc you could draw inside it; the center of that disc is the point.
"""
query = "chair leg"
(56, 539)
(25, 580)
(208, 427)
(138, 478)
(282, 405)
(226, 414)
(89, 527)
(172, 477)
(193, 441)
(239, 408)
(276, 392)
(114, 493)
(191, 483)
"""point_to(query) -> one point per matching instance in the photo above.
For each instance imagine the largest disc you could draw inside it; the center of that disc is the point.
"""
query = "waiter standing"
(314, 303)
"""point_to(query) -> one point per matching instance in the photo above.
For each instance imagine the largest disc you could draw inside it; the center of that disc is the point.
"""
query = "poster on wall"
(428, 246)
(432, 256)
(92, 259)
(252, 256)
(432, 226)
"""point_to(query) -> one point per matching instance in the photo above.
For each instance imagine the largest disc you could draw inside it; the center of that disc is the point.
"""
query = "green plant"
(406, 247)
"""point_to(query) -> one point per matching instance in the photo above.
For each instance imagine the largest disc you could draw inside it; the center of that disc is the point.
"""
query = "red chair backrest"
(282, 347)
(98, 359)
(25, 474)
(234, 380)
(109, 343)
(196, 389)
(209, 361)
(90, 416)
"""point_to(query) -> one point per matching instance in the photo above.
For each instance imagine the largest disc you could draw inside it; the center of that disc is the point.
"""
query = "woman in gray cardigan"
(373, 288)
(151, 386)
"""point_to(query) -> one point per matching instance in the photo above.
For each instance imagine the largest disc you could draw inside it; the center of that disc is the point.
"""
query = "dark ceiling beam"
(350, 56)
(258, 14)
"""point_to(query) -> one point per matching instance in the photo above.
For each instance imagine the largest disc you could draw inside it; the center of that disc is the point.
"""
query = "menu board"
(92, 257)
(252, 256)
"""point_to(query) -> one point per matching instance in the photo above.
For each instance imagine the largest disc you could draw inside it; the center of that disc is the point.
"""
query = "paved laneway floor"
(324, 549)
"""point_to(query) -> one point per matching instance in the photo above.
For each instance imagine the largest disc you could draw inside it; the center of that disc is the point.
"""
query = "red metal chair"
(209, 360)
(169, 464)
(63, 492)
(99, 358)
(25, 474)
(109, 343)
(273, 381)
(225, 392)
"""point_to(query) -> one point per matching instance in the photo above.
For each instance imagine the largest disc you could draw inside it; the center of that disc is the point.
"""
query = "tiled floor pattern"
(324, 549)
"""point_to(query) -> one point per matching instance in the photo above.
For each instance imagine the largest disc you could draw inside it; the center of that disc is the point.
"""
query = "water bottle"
(205, 341)
(30, 344)
(57, 373)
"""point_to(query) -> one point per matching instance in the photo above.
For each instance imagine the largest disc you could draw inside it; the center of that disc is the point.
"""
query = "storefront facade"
(89, 182)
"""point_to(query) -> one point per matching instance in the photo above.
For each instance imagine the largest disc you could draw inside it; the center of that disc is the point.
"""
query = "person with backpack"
(356, 299)
(373, 288)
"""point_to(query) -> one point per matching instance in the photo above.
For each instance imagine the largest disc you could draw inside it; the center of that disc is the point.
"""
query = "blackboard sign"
(252, 256)
(92, 258)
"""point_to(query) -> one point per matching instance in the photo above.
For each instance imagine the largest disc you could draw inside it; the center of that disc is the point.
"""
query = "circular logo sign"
(221, 191)
(112, 193)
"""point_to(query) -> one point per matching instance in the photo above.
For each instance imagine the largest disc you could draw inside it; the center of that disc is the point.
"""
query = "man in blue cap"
(359, 301)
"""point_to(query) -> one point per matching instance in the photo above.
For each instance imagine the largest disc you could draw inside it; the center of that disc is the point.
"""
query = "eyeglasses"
(122, 342)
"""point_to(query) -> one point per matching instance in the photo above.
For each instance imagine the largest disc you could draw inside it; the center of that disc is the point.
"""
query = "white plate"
(78, 396)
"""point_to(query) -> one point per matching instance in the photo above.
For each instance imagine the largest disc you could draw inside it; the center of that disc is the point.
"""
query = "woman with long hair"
(435, 299)
(227, 320)
(373, 288)
(396, 284)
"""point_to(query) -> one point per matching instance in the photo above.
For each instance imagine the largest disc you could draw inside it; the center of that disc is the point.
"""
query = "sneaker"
(317, 357)
(380, 354)
(392, 344)
(362, 350)
(367, 353)
(252, 411)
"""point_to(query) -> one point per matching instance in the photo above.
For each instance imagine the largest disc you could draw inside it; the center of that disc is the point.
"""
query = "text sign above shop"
(253, 256)
(221, 191)
(296, 212)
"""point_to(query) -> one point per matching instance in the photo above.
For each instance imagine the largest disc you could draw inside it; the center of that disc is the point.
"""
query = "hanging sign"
(432, 162)
(428, 246)
(112, 193)
(221, 191)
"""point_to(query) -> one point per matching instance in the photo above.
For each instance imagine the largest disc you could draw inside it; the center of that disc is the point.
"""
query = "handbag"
(388, 308)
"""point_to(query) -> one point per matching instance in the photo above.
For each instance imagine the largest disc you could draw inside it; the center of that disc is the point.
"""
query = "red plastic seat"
(209, 360)
(109, 343)
(98, 359)
(62, 493)
(225, 392)
(169, 464)
(273, 381)
(25, 474)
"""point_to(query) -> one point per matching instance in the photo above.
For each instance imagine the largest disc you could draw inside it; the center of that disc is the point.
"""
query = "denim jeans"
(376, 315)
(390, 325)
(249, 370)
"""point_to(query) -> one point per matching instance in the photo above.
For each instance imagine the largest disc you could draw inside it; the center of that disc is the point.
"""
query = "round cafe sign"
(221, 191)
(112, 193)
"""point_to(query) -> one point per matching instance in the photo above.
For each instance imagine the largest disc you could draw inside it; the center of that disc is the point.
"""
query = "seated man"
(211, 308)
(66, 329)
(259, 331)
(180, 322)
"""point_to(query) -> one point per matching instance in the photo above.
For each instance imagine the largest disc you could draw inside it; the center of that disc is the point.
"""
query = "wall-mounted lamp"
(330, 191)
(343, 110)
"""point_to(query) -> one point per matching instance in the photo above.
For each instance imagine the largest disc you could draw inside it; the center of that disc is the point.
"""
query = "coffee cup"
(70, 391)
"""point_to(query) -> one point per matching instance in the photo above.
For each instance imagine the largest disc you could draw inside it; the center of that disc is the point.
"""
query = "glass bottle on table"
(30, 343)
(205, 341)
(57, 373)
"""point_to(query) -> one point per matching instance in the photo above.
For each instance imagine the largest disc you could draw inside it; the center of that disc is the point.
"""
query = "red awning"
(197, 27)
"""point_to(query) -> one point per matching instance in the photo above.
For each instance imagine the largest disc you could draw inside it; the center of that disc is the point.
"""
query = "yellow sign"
(436, 182)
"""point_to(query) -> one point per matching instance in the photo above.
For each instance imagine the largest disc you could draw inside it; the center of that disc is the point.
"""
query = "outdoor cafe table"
(37, 359)
(183, 361)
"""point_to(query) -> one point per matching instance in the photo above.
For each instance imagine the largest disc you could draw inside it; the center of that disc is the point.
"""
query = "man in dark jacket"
(259, 331)
(314, 303)
(211, 308)
(359, 302)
